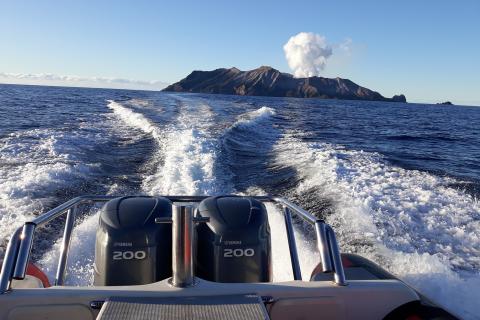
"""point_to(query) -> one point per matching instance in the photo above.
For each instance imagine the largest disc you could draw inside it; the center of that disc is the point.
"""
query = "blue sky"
(428, 50)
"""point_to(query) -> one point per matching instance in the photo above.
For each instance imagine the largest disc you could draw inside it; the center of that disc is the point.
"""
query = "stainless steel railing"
(17, 253)
(326, 242)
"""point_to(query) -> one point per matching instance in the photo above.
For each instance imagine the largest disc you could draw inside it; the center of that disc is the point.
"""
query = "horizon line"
(477, 104)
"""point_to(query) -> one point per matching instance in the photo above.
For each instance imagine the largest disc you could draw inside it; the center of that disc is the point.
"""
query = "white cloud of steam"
(94, 82)
(307, 54)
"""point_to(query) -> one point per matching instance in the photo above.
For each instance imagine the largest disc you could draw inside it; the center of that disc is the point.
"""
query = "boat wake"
(413, 223)
(35, 165)
(189, 154)
(410, 222)
(134, 119)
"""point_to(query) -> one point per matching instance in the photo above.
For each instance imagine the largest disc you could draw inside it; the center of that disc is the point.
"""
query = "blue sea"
(399, 183)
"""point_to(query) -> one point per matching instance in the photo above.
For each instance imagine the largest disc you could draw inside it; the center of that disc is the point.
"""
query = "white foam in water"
(408, 221)
(81, 254)
(281, 263)
(189, 154)
(134, 119)
(35, 164)
(186, 148)
(80, 264)
(252, 118)
(187, 169)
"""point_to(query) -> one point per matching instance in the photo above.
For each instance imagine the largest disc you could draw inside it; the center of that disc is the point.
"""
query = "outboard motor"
(130, 248)
(234, 246)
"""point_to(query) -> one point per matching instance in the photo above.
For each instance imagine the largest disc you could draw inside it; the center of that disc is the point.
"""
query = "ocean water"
(398, 182)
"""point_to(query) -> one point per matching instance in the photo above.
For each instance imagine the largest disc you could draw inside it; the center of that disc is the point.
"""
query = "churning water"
(398, 182)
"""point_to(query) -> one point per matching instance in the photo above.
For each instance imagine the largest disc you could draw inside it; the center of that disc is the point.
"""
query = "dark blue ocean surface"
(399, 182)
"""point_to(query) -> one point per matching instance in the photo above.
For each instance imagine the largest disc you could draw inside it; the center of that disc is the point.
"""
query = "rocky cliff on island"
(267, 81)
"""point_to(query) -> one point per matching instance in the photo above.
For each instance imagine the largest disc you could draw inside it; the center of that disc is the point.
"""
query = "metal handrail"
(18, 250)
(326, 242)
(67, 235)
(292, 246)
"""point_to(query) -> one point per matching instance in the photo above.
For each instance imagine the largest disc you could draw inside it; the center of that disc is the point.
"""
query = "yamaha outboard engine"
(131, 249)
(234, 246)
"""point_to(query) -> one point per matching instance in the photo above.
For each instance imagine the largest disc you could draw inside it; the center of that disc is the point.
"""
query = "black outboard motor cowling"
(130, 248)
(235, 245)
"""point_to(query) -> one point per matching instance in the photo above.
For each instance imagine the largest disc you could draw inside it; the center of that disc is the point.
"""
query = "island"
(267, 81)
(446, 103)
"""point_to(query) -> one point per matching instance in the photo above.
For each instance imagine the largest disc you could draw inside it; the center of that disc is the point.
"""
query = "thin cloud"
(346, 46)
(64, 80)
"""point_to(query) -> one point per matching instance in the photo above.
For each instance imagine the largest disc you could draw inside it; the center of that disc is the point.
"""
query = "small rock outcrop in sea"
(267, 81)
(447, 103)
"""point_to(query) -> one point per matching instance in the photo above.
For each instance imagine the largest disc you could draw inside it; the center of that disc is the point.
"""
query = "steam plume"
(307, 54)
